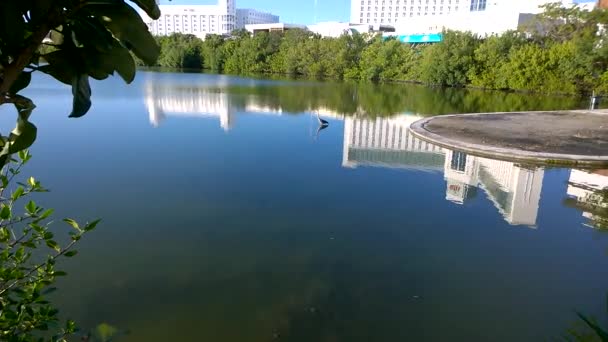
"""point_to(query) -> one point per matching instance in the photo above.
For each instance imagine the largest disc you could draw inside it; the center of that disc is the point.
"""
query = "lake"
(229, 216)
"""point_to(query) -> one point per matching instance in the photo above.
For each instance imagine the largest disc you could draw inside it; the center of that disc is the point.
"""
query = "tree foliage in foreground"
(71, 40)
(26, 274)
(563, 51)
(82, 39)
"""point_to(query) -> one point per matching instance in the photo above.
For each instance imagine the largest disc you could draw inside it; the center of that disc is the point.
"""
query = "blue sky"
(292, 11)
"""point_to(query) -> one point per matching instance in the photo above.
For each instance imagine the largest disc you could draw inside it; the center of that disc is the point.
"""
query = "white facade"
(483, 17)
(247, 16)
(199, 20)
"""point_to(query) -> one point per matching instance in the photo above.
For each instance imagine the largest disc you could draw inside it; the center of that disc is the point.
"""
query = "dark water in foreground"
(228, 217)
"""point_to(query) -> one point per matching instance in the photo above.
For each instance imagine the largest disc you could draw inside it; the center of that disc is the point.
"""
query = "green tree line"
(564, 50)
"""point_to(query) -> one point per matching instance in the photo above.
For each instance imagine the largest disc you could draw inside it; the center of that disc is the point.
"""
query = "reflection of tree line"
(389, 99)
(374, 99)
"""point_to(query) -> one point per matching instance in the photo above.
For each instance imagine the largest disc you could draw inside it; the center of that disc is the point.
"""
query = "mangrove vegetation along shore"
(564, 50)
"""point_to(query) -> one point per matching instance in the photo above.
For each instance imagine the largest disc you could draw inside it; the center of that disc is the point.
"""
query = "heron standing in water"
(322, 122)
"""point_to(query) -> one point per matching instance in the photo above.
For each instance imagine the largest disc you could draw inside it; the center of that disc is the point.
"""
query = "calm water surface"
(229, 217)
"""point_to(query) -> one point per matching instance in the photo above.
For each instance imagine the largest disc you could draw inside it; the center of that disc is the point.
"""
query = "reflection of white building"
(585, 187)
(387, 142)
(209, 102)
(514, 190)
(188, 102)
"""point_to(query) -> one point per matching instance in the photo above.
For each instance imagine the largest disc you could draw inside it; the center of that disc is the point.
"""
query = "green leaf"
(46, 214)
(150, 7)
(31, 207)
(70, 326)
(92, 33)
(53, 245)
(24, 134)
(117, 58)
(92, 225)
(31, 181)
(63, 65)
(21, 83)
(123, 62)
(127, 26)
(82, 96)
(72, 223)
(21, 154)
(70, 254)
(4, 234)
(5, 212)
(29, 244)
(4, 180)
(17, 194)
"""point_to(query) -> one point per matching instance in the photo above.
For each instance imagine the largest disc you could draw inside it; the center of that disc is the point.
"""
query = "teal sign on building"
(418, 38)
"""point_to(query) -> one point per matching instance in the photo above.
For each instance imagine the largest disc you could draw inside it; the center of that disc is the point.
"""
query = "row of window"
(427, 2)
(186, 30)
(222, 17)
(478, 5)
(404, 14)
(426, 8)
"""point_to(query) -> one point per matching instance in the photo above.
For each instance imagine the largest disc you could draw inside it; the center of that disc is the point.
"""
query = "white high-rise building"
(432, 16)
(248, 16)
(201, 20)
(198, 20)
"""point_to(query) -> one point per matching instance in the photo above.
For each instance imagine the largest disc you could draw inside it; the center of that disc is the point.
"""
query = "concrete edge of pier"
(560, 138)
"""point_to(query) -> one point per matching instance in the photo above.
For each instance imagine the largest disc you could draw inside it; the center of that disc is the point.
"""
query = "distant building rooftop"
(274, 27)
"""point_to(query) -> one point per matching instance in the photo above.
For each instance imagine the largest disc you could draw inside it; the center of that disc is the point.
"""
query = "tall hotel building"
(201, 20)
(484, 17)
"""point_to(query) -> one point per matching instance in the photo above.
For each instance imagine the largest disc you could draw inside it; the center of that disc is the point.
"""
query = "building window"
(459, 161)
(478, 5)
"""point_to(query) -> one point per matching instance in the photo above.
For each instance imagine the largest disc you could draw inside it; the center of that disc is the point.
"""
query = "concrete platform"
(558, 138)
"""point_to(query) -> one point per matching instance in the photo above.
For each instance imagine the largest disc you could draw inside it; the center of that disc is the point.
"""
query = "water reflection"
(209, 102)
(263, 234)
(514, 189)
(588, 191)
(387, 142)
